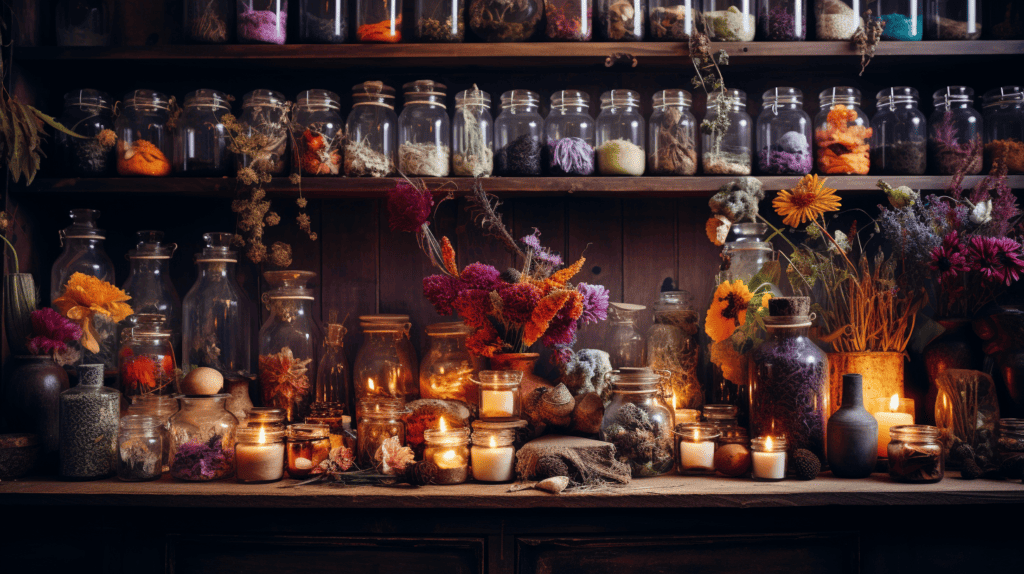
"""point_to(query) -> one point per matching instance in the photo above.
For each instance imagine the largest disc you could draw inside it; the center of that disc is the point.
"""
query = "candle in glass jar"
(890, 413)
(493, 463)
(769, 458)
(497, 404)
(261, 460)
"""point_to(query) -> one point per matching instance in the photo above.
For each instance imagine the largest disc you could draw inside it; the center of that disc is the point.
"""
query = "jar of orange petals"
(842, 133)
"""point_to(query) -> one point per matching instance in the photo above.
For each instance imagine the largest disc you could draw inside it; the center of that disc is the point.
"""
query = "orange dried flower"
(448, 257)
(842, 147)
(142, 158)
(282, 378)
(806, 202)
(545, 311)
(559, 278)
(138, 374)
(85, 296)
(728, 310)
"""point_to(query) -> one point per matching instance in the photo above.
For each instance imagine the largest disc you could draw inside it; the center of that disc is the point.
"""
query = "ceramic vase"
(956, 348)
(31, 403)
(852, 435)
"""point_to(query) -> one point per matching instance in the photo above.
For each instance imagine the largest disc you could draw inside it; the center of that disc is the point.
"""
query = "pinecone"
(1013, 467)
(551, 466)
(420, 473)
(806, 464)
(961, 454)
(970, 470)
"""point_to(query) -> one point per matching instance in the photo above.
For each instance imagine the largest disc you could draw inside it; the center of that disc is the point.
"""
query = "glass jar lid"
(473, 97)
(844, 95)
(264, 98)
(425, 92)
(374, 327)
(514, 98)
(89, 99)
(624, 312)
(739, 97)
(448, 437)
(146, 100)
(747, 236)
(953, 95)
(259, 435)
(570, 99)
(674, 301)
(769, 444)
(306, 431)
(373, 94)
(453, 329)
(500, 380)
(146, 325)
(207, 98)
(789, 312)
(619, 99)
(265, 416)
(83, 225)
(314, 99)
(385, 318)
(381, 407)
(896, 95)
(162, 406)
(289, 284)
(779, 96)
(1004, 95)
(914, 433)
(635, 379)
(720, 411)
(143, 423)
(151, 246)
(512, 426)
(697, 432)
(672, 97)
(217, 249)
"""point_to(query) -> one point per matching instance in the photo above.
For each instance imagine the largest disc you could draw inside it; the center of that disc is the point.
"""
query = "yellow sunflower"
(806, 202)
(728, 310)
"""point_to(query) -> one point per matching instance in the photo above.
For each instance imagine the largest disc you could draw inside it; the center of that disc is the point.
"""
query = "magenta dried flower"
(998, 259)
(480, 276)
(595, 302)
(947, 259)
(51, 332)
(441, 291)
(408, 207)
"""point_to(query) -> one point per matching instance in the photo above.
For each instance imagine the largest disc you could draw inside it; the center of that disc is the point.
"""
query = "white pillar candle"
(259, 462)
(497, 404)
(697, 455)
(493, 464)
(885, 422)
(769, 465)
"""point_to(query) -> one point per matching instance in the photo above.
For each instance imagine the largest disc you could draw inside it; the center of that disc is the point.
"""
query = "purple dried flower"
(51, 332)
(998, 259)
(595, 302)
(408, 207)
(541, 254)
(570, 156)
(947, 259)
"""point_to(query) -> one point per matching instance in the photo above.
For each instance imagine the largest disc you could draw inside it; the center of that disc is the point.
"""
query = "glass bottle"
(217, 317)
(500, 397)
(265, 112)
(379, 21)
(672, 20)
(382, 367)
(673, 347)
(146, 363)
(916, 454)
(84, 22)
(449, 450)
(1004, 20)
(697, 445)
(624, 343)
(730, 20)
(289, 341)
(782, 20)
(318, 133)
(448, 368)
(728, 151)
(837, 19)
(1009, 440)
(201, 140)
(440, 20)
(620, 134)
(144, 140)
(87, 113)
(380, 419)
(88, 426)
(203, 439)
(371, 130)
(424, 131)
(333, 385)
(569, 20)
(784, 134)
(768, 458)
(899, 139)
(406, 349)
(472, 134)
(83, 252)
(139, 448)
(955, 131)
(1004, 128)
(569, 131)
(952, 20)
(149, 282)
(904, 19)
(323, 21)
(636, 413)
(499, 21)
(842, 133)
(259, 454)
(308, 445)
(672, 143)
(493, 454)
(162, 408)
(517, 134)
(209, 21)
(621, 20)
(262, 21)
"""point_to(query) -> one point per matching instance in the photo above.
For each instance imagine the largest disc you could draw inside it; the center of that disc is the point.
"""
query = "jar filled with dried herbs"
(842, 133)
(517, 134)
(672, 143)
(448, 368)
(162, 408)
(139, 449)
(323, 21)
(673, 347)
(318, 133)
(289, 342)
(915, 454)
(146, 364)
(621, 20)
(379, 21)
(899, 139)
(784, 134)
(209, 21)
(201, 140)
(953, 20)
(423, 131)
(89, 113)
(639, 423)
(672, 19)
(371, 131)
(203, 439)
(380, 419)
(837, 19)
(727, 134)
(144, 140)
(570, 20)
(262, 21)
(472, 134)
(440, 20)
(782, 20)
(955, 132)
(730, 20)
(265, 113)
(505, 20)
(1004, 128)
(620, 134)
(385, 365)
(88, 426)
(569, 133)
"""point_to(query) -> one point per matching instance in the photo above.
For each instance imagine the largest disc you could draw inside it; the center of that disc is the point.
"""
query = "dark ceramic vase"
(956, 348)
(852, 449)
(31, 403)
(1003, 334)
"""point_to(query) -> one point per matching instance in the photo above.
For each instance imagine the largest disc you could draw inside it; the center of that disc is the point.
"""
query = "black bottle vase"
(852, 449)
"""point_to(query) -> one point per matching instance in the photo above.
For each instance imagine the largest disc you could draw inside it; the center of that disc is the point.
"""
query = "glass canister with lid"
(569, 131)
(472, 134)
(323, 21)
(379, 21)
(139, 449)
(89, 113)
(209, 21)
(200, 139)
(265, 112)
(384, 366)
(842, 133)
(916, 454)
(672, 143)
(639, 423)
(672, 19)
(162, 408)
(424, 131)
(262, 21)
(784, 133)
(203, 439)
(371, 131)
(570, 20)
(448, 368)
(620, 134)
(149, 282)
(730, 20)
(318, 132)
(624, 343)
(903, 19)
(782, 20)
(621, 20)
(955, 132)
(953, 19)
(1004, 128)
(899, 139)
(88, 426)
(144, 139)
(380, 419)
(84, 22)
(727, 134)
(440, 20)
(501, 21)
(517, 134)
(146, 364)
(673, 348)
(837, 19)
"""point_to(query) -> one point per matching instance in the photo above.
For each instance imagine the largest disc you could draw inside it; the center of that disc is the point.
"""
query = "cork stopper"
(789, 306)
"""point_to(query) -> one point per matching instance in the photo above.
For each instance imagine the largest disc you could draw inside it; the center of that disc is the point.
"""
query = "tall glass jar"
(730, 20)
(203, 439)
(379, 21)
(842, 133)
(289, 342)
(323, 21)
(472, 134)
(953, 20)
(570, 20)
(380, 419)
(1004, 128)
(217, 317)
(1004, 20)
(424, 131)
(162, 408)
(517, 134)
(88, 426)
(624, 343)
(569, 131)
(904, 19)
(789, 393)
(139, 449)
(727, 151)
(837, 19)
(639, 423)
(317, 132)
(149, 282)
(201, 140)
(899, 139)
(440, 20)
(500, 21)
(620, 134)
(146, 364)
(673, 346)
(371, 131)
(144, 140)
(262, 21)
(955, 131)
(916, 454)
(784, 134)
(672, 139)
(87, 113)
(672, 20)
(209, 21)
(449, 450)
(448, 368)
(782, 20)
(333, 382)
(382, 366)
(406, 349)
(621, 20)
(85, 22)
(265, 112)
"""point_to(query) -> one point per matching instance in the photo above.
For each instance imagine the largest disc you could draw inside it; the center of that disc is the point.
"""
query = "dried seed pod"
(587, 416)
(554, 485)
(556, 406)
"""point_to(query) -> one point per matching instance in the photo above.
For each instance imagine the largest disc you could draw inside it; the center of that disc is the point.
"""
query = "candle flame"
(263, 435)
(493, 442)
(768, 443)
(369, 383)
(894, 403)
(448, 455)
(675, 402)
(442, 425)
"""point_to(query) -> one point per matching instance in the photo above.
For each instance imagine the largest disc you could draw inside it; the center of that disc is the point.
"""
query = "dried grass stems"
(676, 150)
(476, 158)
(709, 78)
(208, 26)
(865, 39)
(361, 160)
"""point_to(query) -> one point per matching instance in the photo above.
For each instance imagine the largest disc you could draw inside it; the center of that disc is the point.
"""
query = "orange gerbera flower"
(765, 299)
(728, 310)
(717, 229)
(805, 202)
(85, 296)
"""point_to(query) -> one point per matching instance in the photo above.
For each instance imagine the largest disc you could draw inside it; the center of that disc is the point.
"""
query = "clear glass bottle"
(139, 448)
(672, 20)
(83, 252)
(333, 383)
(621, 20)
(201, 140)
(449, 450)
(899, 139)
(500, 395)
(499, 21)
(146, 364)
(517, 134)
(569, 20)
(952, 20)
(203, 439)
(1004, 128)
(85, 22)
(87, 113)
(259, 455)
(289, 343)
(493, 454)
(161, 407)
(638, 414)
(1004, 20)
(782, 20)
(837, 19)
(904, 19)
(472, 134)
(262, 21)
(955, 131)
(88, 426)
(842, 133)
(380, 419)
(382, 366)
(149, 282)
(916, 454)
(448, 368)
(746, 253)
(379, 21)
(673, 347)
(440, 20)
(728, 152)
(217, 316)
(424, 131)
(620, 134)
(209, 21)
(323, 21)
(308, 445)
(784, 134)
(569, 131)
(265, 112)
(624, 343)
(697, 445)
(144, 140)
(317, 132)
(672, 143)
(730, 20)
(372, 131)
(768, 458)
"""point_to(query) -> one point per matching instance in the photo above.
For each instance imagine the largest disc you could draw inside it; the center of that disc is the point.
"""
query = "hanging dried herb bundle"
(709, 78)
(865, 39)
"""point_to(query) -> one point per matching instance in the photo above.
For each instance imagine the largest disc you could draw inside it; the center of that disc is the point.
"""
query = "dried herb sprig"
(483, 207)
(865, 39)
(709, 78)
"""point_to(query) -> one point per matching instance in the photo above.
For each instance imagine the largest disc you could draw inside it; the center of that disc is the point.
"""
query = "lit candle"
(447, 449)
(491, 462)
(769, 457)
(497, 404)
(262, 459)
(899, 412)
(697, 448)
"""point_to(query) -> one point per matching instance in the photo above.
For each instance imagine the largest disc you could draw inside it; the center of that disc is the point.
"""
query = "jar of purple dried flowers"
(262, 21)
(203, 439)
(569, 132)
(784, 134)
(954, 132)
(782, 20)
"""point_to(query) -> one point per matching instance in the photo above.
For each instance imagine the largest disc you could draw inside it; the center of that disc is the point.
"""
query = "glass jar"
(672, 143)
(915, 454)
(1010, 441)
(727, 151)
(333, 383)
(203, 439)
(146, 359)
(262, 21)
(519, 428)
(904, 19)
(83, 252)
(149, 282)
(265, 112)
(953, 20)
(1004, 20)
(735, 461)
(84, 22)
(380, 419)
(371, 129)
(318, 133)
(88, 426)
(500, 395)
(672, 20)
(730, 20)
(769, 458)
(162, 408)
(672, 347)
(746, 253)
(638, 417)
(620, 134)
(722, 416)
(449, 450)
(569, 131)
(842, 133)
(782, 20)
(144, 140)
(267, 417)
(201, 140)
(209, 21)
(837, 19)
(308, 445)
(697, 445)
(569, 20)
(440, 20)
(217, 317)
(624, 343)
(448, 367)
(517, 134)
(899, 139)
(406, 349)
(784, 134)
(87, 113)
(383, 367)
(955, 131)
(493, 455)
(621, 20)
(323, 21)
(500, 21)
(140, 449)
(424, 131)
(379, 21)
(1004, 128)
(259, 455)
(289, 341)
(472, 134)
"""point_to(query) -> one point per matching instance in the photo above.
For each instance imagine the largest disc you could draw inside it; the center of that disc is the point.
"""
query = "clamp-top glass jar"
(83, 252)
(448, 368)
(501, 21)
(782, 20)
(672, 139)
(439, 20)
(383, 367)
(201, 140)
(146, 362)
(318, 133)
(209, 21)
(899, 139)
(569, 134)
(903, 19)
(472, 134)
(1004, 128)
(372, 131)
(149, 282)
(203, 439)
(265, 112)
(517, 134)
(837, 19)
(323, 21)
(620, 134)
(955, 131)
(423, 131)
(842, 135)
(673, 348)
(621, 20)
(87, 113)
(730, 20)
(262, 21)
(784, 134)
(953, 20)
(379, 21)
(672, 19)
(728, 152)
(624, 343)
(289, 343)
(569, 20)
(144, 140)
(639, 423)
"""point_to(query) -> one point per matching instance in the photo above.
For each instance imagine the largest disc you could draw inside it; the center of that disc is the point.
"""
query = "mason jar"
(424, 131)
(837, 19)
(517, 134)
(448, 368)
(200, 139)
(265, 112)
(144, 140)
(784, 133)
(697, 445)
(621, 20)
(730, 20)
(289, 342)
(203, 439)
(439, 20)
(569, 20)
(782, 20)
(84, 22)
(382, 367)
(639, 423)
(380, 419)
(209, 21)
(472, 134)
(952, 20)
(259, 455)
(316, 127)
(916, 454)
(493, 454)
(262, 21)
(842, 133)
(371, 131)
(323, 21)
(672, 20)
(139, 449)
(87, 113)
(569, 131)
(146, 364)
(672, 135)
(673, 349)
(904, 19)
(308, 445)
(500, 398)
(501, 21)
(955, 132)
(162, 408)
(379, 21)
(727, 152)
(620, 134)
(149, 282)
(1004, 128)
(899, 139)
(448, 449)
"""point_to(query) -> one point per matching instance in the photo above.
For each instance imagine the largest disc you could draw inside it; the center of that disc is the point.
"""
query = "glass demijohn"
(289, 342)
(424, 131)
(371, 131)
(201, 140)
(88, 113)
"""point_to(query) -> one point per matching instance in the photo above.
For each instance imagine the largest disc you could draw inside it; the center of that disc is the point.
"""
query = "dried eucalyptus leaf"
(53, 123)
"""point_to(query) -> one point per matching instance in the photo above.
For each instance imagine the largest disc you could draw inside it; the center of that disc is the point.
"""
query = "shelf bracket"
(617, 58)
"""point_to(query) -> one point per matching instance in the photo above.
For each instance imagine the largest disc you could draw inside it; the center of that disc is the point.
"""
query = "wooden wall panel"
(698, 258)
(650, 257)
(472, 244)
(595, 232)
(306, 254)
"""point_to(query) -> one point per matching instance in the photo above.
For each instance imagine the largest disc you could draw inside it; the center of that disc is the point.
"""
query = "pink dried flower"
(998, 259)
(342, 457)
(561, 331)
(519, 301)
(51, 332)
(392, 457)
(480, 276)
(441, 291)
(408, 207)
(595, 302)
(947, 259)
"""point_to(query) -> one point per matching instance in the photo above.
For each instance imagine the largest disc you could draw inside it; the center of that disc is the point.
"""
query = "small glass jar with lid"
(379, 420)
(371, 131)
(620, 134)
(728, 151)
(146, 363)
(673, 347)
(448, 368)
(259, 455)
(266, 417)
(472, 134)
(1004, 20)
(406, 350)
(499, 395)
(916, 454)
(383, 367)
(289, 342)
(265, 112)
(782, 20)
(262, 21)
(87, 113)
(318, 132)
(730, 20)
(1010, 441)
(88, 426)
(672, 143)
(735, 460)
(203, 439)
(439, 20)
(721, 416)
(955, 131)
(569, 20)
(899, 138)
(697, 444)
(842, 133)
(784, 134)
(85, 22)
(423, 131)
(449, 450)
(621, 20)
(144, 140)
(569, 131)
(837, 19)
(149, 282)
(323, 21)
(500, 21)
(1004, 128)
(953, 20)
(139, 449)
(519, 428)
(333, 379)
(769, 458)
(672, 20)
(517, 134)
(201, 141)
(308, 445)
(209, 21)
(638, 415)
(379, 22)
(161, 407)
(493, 455)
(624, 343)
(903, 19)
